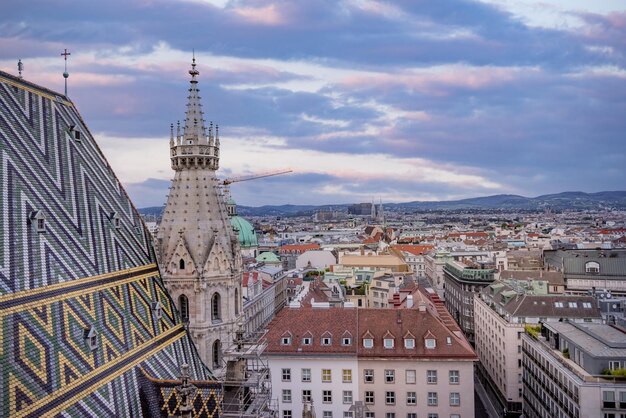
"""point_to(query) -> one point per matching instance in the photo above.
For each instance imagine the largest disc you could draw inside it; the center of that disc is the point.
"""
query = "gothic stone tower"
(197, 248)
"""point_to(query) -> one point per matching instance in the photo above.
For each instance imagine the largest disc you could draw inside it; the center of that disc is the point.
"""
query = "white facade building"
(398, 362)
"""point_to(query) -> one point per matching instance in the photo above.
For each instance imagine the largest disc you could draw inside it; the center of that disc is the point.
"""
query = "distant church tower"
(198, 250)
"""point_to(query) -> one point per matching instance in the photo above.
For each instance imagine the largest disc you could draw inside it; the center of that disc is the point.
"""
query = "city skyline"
(362, 99)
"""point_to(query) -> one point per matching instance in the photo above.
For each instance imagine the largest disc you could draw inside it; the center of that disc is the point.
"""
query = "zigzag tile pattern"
(88, 266)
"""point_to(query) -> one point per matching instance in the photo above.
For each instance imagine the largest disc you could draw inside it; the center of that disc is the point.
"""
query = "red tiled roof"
(613, 231)
(317, 321)
(246, 278)
(361, 322)
(398, 321)
(414, 249)
(297, 248)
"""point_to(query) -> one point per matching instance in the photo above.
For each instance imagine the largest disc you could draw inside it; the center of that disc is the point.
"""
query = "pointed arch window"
(217, 353)
(236, 301)
(216, 307)
(181, 264)
(183, 305)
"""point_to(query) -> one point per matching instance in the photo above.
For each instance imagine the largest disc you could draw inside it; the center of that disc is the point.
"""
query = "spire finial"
(193, 70)
(20, 67)
(65, 73)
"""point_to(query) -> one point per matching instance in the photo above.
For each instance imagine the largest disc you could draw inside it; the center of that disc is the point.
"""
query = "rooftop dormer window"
(430, 343)
(368, 342)
(326, 340)
(592, 267)
(91, 338)
(346, 341)
(74, 133)
(388, 343)
(37, 217)
(115, 220)
(409, 343)
(285, 341)
(307, 340)
(157, 309)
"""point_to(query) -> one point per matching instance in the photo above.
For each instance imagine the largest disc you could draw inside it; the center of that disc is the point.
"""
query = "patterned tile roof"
(82, 304)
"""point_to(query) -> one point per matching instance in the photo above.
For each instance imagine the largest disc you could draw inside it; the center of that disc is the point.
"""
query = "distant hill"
(559, 201)
(152, 210)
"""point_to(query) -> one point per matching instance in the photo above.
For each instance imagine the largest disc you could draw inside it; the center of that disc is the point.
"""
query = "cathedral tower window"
(216, 307)
(236, 301)
(183, 305)
(217, 348)
(181, 264)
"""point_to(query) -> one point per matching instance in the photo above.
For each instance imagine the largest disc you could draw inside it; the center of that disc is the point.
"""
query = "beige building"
(198, 251)
(381, 289)
(375, 261)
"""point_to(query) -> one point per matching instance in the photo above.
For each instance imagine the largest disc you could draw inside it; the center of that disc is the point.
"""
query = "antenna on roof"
(20, 67)
(65, 73)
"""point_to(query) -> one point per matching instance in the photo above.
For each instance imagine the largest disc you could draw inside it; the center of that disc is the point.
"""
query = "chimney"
(362, 250)
(409, 301)
(421, 306)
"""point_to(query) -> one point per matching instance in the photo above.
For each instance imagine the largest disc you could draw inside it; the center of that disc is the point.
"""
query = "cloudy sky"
(363, 99)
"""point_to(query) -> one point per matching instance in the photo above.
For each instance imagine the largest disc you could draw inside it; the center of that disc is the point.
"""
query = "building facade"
(397, 362)
(461, 284)
(567, 371)
(501, 311)
(586, 271)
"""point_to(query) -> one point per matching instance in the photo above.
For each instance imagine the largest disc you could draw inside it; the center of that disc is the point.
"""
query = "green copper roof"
(267, 257)
(247, 236)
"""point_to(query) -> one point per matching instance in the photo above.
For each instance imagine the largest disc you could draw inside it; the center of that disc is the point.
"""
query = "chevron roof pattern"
(86, 325)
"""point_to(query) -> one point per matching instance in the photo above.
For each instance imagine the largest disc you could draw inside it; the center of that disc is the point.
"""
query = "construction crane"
(232, 180)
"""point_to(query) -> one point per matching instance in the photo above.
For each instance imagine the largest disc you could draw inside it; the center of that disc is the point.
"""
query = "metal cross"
(65, 73)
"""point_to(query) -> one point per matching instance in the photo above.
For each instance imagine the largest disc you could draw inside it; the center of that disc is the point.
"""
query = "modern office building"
(462, 282)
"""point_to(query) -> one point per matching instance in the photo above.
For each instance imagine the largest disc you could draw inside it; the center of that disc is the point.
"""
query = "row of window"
(388, 343)
(368, 376)
(349, 414)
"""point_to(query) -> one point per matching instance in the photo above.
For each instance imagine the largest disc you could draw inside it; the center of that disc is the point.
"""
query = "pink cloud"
(437, 81)
(267, 15)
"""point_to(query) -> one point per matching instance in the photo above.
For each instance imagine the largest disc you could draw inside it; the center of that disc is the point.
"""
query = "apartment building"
(399, 363)
(501, 310)
(590, 270)
(462, 282)
(574, 370)
(413, 256)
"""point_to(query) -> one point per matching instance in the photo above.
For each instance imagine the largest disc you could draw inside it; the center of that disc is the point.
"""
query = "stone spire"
(199, 253)
(193, 148)
(194, 117)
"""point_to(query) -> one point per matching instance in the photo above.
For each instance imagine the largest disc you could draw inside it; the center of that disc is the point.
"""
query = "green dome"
(268, 257)
(247, 236)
